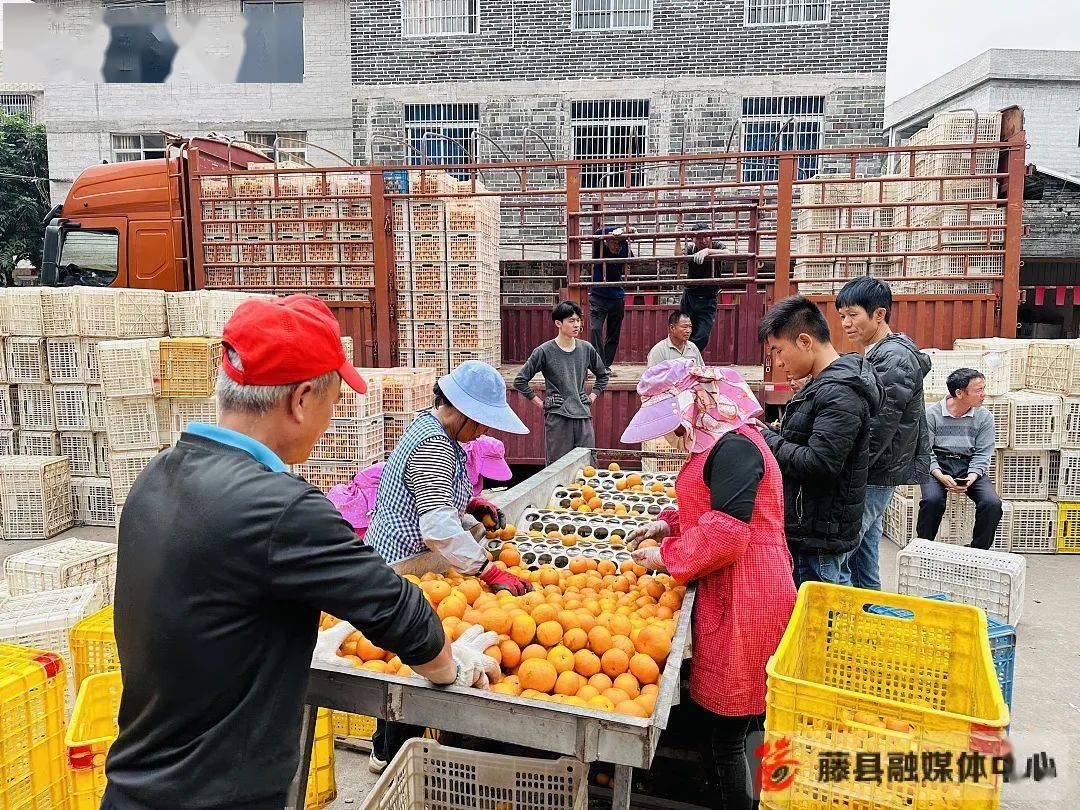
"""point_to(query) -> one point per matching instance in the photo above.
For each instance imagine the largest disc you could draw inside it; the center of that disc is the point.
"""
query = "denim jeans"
(816, 566)
(863, 560)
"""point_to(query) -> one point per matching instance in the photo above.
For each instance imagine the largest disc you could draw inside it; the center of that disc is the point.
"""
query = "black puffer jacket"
(900, 423)
(823, 451)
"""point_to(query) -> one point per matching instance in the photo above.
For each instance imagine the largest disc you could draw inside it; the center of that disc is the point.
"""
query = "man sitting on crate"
(962, 437)
(225, 563)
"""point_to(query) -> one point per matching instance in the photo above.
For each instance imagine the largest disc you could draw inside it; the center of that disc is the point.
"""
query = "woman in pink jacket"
(727, 536)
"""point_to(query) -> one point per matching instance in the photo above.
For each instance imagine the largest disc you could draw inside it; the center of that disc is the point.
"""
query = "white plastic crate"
(994, 365)
(124, 468)
(95, 397)
(357, 440)
(35, 496)
(394, 427)
(1001, 409)
(404, 390)
(324, 475)
(991, 580)
(26, 359)
(1068, 479)
(166, 435)
(122, 313)
(1023, 474)
(220, 305)
(7, 411)
(186, 314)
(1070, 423)
(958, 524)
(94, 505)
(59, 312)
(474, 334)
(898, 522)
(71, 407)
(43, 621)
(185, 411)
(1033, 527)
(68, 360)
(79, 449)
(63, 564)
(39, 443)
(101, 453)
(351, 405)
(130, 368)
(22, 311)
(1053, 475)
(3, 363)
(132, 423)
(1049, 365)
(465, 780)
(9, 446)
(36, 409)
(1035, 420)
(93, 375)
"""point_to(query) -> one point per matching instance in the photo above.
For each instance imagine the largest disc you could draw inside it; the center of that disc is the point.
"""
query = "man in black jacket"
(225, 563)
(898, 432)
(823, 444)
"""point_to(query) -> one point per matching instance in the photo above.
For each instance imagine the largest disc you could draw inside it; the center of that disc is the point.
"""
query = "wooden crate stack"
(446, 252)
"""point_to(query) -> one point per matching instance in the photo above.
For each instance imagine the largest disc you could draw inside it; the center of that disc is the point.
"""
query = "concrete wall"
(1053, 220)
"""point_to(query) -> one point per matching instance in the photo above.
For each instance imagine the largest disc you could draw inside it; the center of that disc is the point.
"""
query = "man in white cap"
(425, 498)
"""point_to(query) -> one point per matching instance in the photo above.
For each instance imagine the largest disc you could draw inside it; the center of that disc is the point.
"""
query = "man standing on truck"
(898, 439)
(607, 305)
(699, 300)
(225, 562)
(564, 361)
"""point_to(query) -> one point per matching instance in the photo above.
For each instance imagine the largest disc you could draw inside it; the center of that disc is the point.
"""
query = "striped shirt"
(970, 436)
(429, 474)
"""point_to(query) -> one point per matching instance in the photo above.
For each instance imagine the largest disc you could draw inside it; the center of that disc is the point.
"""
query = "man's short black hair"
(961, 379)
(791, 317)
(564, 310)
(675, 316)
(867, 292)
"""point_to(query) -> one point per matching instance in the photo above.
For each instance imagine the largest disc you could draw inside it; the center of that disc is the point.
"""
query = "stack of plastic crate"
(63, 564)
(35, 496)
(825, 236)
(405, 393)
(353, 441)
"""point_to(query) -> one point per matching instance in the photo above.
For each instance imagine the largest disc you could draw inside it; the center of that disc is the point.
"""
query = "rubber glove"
(474, 667)
(328, 643)
(500, 580)
(649, 557)
(487, 513)
(654, 530)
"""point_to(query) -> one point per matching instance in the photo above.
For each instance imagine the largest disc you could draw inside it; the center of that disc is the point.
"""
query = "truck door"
(151, 263)
(94, 254)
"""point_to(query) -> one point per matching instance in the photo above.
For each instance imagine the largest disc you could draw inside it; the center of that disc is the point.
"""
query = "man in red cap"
(225, 563)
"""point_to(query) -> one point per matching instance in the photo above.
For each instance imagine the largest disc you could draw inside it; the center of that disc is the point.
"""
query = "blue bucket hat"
(478, 391)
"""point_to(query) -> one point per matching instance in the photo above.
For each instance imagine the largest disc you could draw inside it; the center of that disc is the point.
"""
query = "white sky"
(931, 37)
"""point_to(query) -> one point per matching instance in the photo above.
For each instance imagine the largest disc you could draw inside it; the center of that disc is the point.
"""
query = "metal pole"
(1014, 230)
(296, 798)
(573, 246)
(784, 193)
(386, 347)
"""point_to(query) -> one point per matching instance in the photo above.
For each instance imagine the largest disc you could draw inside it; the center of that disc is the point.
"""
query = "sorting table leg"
(298, 787)
(620, 787)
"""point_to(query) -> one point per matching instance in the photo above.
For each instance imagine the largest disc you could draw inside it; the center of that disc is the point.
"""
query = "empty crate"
(26, 359)
(129, 368)
(1032, 527)
(68, 359)
(71, 407)
(94, 505)
(35, 496)
(995, 365)
(189, 366)
(1022, 474)
(1034, 420)
(132, 423)
(63, 564)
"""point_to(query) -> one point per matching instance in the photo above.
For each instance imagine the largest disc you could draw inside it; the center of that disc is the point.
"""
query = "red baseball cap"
(282, 341)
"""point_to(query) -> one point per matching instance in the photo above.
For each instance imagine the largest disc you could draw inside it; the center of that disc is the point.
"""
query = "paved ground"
(1046, 702)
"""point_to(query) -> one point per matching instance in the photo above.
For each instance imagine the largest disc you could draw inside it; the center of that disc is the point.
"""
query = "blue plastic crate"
(396, 181)
(1002, 644)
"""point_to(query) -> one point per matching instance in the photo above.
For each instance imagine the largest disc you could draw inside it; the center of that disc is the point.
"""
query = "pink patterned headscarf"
(708, 402)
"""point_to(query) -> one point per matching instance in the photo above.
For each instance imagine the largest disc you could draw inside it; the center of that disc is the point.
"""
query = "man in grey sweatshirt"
(962, 441)
(564, 362)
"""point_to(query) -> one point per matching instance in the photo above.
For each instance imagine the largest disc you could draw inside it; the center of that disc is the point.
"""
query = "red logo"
(777, 767)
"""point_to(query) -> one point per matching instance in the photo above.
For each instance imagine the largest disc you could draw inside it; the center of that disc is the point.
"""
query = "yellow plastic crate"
(189, 366)
(32, 686)
(93, 728)
(1068, 528)
(848, 680)
(93, 645)
(358, 726)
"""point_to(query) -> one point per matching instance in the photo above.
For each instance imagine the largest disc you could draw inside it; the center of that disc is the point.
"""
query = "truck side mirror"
(49, 275)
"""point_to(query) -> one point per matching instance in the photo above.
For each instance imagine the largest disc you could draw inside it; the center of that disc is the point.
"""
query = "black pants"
(987, 510)
(723, 745)
(702, 312)
(611, 311)
(389, 737)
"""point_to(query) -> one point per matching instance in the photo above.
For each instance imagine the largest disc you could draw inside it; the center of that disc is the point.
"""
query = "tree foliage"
(24, 191)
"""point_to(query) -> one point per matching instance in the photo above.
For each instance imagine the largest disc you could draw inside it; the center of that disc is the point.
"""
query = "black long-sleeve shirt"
(732, 473)
(223, 568)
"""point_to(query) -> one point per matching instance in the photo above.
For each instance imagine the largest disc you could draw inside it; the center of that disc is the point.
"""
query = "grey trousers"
(562, 434)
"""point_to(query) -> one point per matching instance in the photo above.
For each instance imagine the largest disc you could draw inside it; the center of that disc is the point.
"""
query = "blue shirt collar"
(256, 449)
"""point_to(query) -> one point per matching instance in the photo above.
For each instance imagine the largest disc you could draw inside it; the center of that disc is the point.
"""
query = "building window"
(141, 48)
(431, 18)
(18, 104)
(273, 42)
(610, 129)
(137, 147)
(442, 133)
(290, 145)
(771, 123)
(611, 15)
(786, 12)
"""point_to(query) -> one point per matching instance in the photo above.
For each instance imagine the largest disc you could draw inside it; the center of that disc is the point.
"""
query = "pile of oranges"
(595, 635)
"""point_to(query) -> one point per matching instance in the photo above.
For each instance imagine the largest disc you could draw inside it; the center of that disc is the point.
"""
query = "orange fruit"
(437, 590)
(613, 467)
(472, 589)
(621, 484)
(589, 472)
(647, 702)
(586, 619)
(497, 620)
(352, 659)
(568, 683)
(510, 654)
(405, 672)
(549, 575)
(651, 586)
(586, 663)
(600, 682)
(615, 695)
(619, 625)
(623, 643)
(587, 494)
(549, 633)
(459, 630)
(569, 540)
(578, 565)
(575, 639)
(507, 687)
(510, 555)
(568, 619)
(375, 666)
(494, 653)
(644, 668)
(656, 487)
(614, 662)
(509, 531)
(587, 692)
(671, 492)
(648, 542)
(454, 606)
(523, 630)
(544, 613)
(584, 508)
(633, 479)
(561, 657)
(538, 674)
(574, 504)
(596, 503)
(670, 599)
(599, 639)
(632, 708)
(650, 689)
(602, 703)
(533, 651)
(629, 684)
(366, 651)
(654, 642)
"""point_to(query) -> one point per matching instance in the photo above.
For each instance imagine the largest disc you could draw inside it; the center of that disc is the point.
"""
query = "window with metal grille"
(771, 123)
(290, 145)
(18, 104)
(430, 18)
(786, 12)
(442, 133)
(610, 15)
(137, 147)
(610, 129)
(273, 42)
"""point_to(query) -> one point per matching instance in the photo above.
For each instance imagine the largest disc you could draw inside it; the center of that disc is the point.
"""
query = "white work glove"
(649, 557)
(475, 668)
(653, 530)
(328, 643)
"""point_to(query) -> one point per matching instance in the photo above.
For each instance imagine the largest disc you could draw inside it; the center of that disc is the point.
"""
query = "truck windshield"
(89, 258)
